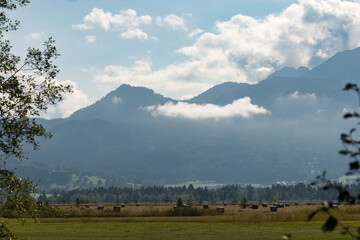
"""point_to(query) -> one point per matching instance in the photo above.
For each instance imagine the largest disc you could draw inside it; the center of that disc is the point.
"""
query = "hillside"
(119, 140)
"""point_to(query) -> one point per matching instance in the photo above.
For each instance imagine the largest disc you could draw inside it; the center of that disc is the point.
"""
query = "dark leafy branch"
(23, 96)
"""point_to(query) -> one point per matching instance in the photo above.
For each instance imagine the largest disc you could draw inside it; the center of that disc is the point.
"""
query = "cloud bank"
(105, 20)
(128, 22)
(239, 108)
(70, 103)
(247, 49)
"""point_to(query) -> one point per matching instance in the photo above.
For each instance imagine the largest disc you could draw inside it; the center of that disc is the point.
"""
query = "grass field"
(82, 228)
(236, 223)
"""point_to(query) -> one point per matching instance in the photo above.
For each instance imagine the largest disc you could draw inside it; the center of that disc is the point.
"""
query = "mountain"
(344, 66)
(122, 104)
(117, 140)
(324, 81)
(290, 72)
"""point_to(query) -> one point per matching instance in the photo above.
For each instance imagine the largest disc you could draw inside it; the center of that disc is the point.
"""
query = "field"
(136, 223)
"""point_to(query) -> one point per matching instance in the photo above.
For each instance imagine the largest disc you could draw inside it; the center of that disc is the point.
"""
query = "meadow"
(150, 221)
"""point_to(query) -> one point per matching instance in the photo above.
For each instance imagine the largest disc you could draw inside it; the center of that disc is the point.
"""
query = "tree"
(179, 203)
(167, 198)
(351, 148)
(200, 201)
(244, 202)
(27, 87)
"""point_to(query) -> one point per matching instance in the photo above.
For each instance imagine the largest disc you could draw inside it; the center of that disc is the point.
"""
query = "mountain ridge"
(124, 143)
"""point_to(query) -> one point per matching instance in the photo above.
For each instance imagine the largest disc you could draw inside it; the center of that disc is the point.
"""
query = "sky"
(181, 48)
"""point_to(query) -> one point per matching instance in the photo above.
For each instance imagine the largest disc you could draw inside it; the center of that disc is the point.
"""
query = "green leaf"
(330, 224)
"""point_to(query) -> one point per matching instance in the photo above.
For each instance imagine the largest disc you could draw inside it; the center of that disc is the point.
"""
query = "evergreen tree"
(179, 203)
(244, 202)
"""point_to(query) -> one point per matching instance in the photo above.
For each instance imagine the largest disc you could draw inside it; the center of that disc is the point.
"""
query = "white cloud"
(188, 78)
(241, 107)
(195, 32)
(247, 49)
(297, 96)
(134, 33)
(116, 100)
(70, 103)
(172, 21)
(34, 36)
(90, 39)
(309, 97)
(159, 21)
(126, 19)
(97, 18)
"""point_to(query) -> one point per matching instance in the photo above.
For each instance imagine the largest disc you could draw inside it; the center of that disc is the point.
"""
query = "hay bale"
(205, 206)
(273, 208)
(296, 204)
(264, 204)
(280, 205)
(308, 203)
(100, 207)
(287, 204)
(220, 209)
(122, 205)
(137, 205)
(254, 206)
(87, 206)
(117, 208)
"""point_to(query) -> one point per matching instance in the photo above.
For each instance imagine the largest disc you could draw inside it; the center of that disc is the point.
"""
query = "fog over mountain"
(285, 128)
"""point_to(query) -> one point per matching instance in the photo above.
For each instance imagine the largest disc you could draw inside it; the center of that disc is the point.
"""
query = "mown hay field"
(235, 223)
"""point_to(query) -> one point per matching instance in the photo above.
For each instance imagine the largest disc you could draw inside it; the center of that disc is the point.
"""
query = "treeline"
(230, 193)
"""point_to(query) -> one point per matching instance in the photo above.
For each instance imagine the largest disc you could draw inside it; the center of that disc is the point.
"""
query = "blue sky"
(181, 48)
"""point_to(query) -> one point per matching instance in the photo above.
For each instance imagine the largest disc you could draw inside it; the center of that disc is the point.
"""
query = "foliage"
(351, 148)
(191, 211)
(24, 95)
(16, 195)
(200, 201)
(298, 192)
(6, 232)
(27, 87)
(189, 203)
(179, 203)
(167, 198)
(244, 202)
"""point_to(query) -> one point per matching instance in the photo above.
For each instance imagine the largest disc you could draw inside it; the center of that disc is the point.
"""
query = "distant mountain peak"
(290, 72)
(343, 66)
(122, 104)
